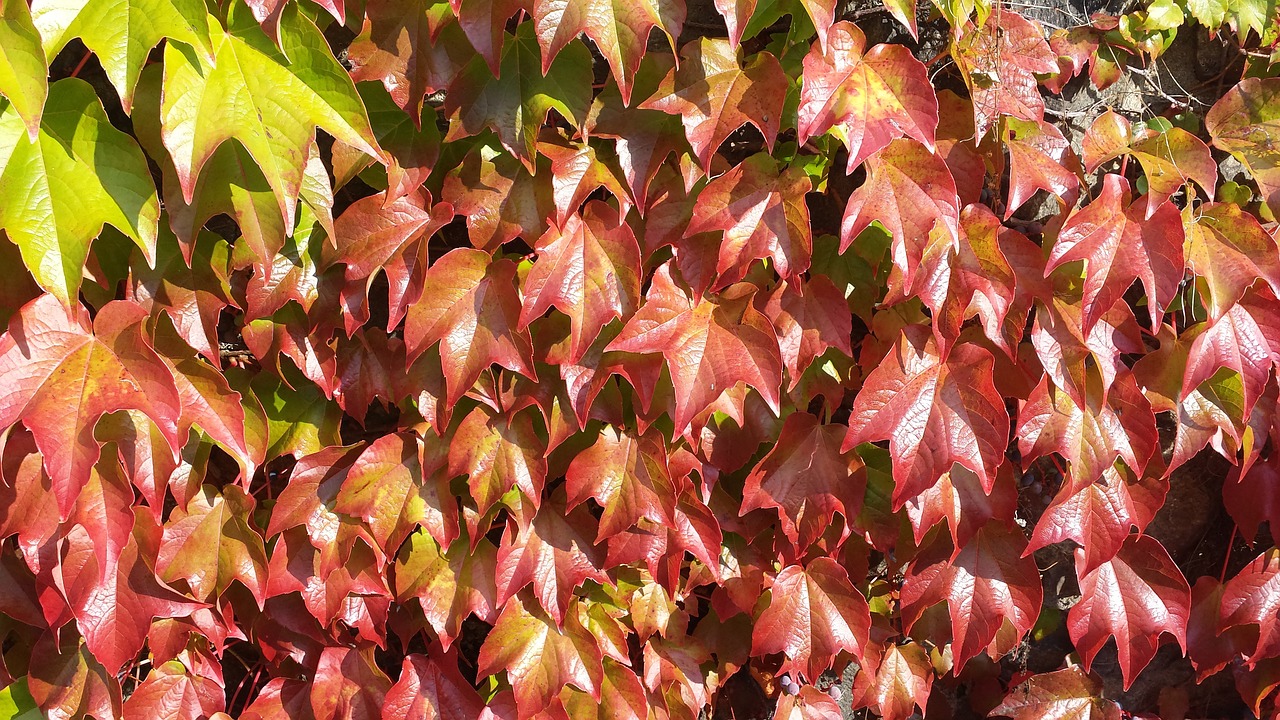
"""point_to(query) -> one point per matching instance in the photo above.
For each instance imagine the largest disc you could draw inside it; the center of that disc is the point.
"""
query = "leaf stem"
(80, 66)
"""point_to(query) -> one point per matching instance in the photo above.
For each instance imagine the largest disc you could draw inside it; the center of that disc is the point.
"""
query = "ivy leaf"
(1243, 340)
(763, 215)
(578, 171)
(451, 585)
(1242, 123)
(959, 499)
(807, 479)
(627, 475)
(62, 376)
(348, 684)
(985, 584)
(395, 486)
(1040, 158)
(809, 704)
(24, 72)
(555, 554)
(66, 680)
(285, 94)
(1071, 357)
(1249, 598)
(431, 688)
(589, 270)
(909, 191)
(622, 697)
(901, 680)
(171, 688)
(470, 306)
(192, 297)
(1090, 436)
(1136, 597)
(869, 98)
(1067, 694)
(619, 28)
(514, 100)
(1230, 251)
(539, 657)
(810, 317)
(121, 33)
(498, 197)
(58, 190)
(814, 613)
(714, 95)
(971, 277)
(1121, 243)
(114, 603)
(643, 139)
(411, 47)
(709, 345)
(1000, 60)
(1099, 516)
(933, 412)
(211, 542)
(497, 454)
(1169, 159)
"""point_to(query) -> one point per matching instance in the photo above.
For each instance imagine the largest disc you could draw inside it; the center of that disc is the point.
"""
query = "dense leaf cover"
(525, 359)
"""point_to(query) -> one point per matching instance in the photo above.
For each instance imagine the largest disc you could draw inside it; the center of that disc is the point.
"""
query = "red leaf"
(1091, 437)
(470, 305)
(410, 49)
(628, 476)
(1040, 158)
(1252, 597)
(348, 685)
(910, 191)
(619, 28)
(1121, 243)
(813, 614)
(431, 688)
(959, 499)
(1098, 516)
(171, 691)
(709, 345)
(870, 98)
(540, 657)
(1067, 694)
(808, 479)
(714, 95)
(999, 60)
(763, 215)
(397, 485)
(451, 585)
(61, 377)
(1135, 597)
(985, 584)
(895, 680)
(933, 413)
(555, 553)
(497, 453)
(589, 270)
(114, 603)
(809, 704)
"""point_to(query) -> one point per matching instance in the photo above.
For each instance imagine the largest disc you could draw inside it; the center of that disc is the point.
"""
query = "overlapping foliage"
(559, 358)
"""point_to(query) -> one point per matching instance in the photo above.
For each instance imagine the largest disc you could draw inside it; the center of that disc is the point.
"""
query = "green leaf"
(58, 191)
(271, 101)
(16, 702)
(300, 420)
(516, 103)
(23, 69)
(121, 32)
